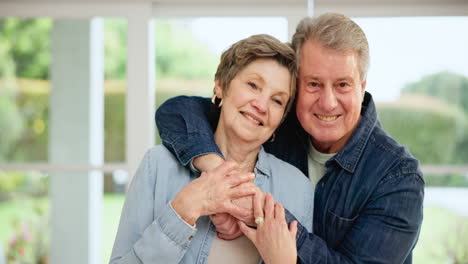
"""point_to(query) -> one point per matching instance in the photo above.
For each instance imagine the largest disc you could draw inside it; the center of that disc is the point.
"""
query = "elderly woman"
(165, 218)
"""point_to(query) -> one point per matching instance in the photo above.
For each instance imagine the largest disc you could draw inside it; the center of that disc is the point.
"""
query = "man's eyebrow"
(346, 78)
(311, 77)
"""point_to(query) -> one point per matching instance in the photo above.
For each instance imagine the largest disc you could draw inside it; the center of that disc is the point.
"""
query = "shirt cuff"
(301, 231)
(194, 227)
(185, 153)
(175, 227)
(193, 169)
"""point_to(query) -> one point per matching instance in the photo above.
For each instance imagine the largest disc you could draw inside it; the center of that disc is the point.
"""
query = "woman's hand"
(213, 193)
(226, 224)
(275, 242)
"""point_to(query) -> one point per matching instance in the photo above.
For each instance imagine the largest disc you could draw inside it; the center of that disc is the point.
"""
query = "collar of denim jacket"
(349, 156)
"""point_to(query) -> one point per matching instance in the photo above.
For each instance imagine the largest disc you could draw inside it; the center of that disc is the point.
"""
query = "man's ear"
(363, 89)
(218, 90)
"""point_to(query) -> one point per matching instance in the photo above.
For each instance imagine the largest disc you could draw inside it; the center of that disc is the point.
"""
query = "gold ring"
(258, 220)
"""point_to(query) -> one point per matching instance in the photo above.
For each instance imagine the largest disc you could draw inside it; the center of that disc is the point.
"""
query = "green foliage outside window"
(27, 42)
(25, 48)
(451, 88)
(433, 127)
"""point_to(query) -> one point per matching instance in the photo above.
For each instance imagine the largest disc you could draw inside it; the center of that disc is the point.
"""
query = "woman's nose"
(261, 104)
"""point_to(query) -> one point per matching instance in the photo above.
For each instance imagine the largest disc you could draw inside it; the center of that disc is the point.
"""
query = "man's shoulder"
(383, 150)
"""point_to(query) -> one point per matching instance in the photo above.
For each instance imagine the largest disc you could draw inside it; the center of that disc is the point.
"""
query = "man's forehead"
(311, 47)
(318, 62)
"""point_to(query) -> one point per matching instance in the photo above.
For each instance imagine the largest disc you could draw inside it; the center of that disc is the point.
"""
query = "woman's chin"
(252, 140)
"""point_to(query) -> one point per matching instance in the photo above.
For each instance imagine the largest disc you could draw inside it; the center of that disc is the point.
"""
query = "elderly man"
(369, 189)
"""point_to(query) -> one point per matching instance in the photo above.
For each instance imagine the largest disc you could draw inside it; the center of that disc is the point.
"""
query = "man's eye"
(342, 84)
(313, 84)
(253, 85)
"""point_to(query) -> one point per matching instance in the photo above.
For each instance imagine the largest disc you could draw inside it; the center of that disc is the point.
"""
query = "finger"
(243, 190)
(229, 229)
(240, 178)
(237, 211)
(269, 206)
(225, 168)
(225, 223)
(279, 212)
(258, 205)
(250, 233)
(293, 229)
(233, 236)
(219, 219)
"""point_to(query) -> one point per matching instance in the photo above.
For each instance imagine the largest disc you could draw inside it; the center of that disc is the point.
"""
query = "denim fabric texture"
(368, 205)
(150, 231)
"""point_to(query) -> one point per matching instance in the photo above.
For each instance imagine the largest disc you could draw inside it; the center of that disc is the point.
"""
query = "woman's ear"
(218, 90)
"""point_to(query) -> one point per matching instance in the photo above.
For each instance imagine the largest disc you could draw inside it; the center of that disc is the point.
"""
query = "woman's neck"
(236, 150)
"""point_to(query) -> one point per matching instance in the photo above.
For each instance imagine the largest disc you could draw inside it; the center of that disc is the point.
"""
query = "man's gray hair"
(334, 31)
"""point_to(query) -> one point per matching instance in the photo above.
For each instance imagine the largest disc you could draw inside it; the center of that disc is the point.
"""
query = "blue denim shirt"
(150, 231)
(368, 205)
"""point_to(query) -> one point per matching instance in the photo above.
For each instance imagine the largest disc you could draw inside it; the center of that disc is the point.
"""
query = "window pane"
(24, 216)
(445, 226)
(24, 88)
(115, 87)
(419, 78)
(112, 208)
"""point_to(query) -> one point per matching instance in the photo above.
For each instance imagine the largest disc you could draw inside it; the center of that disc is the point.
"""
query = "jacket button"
(190, 237)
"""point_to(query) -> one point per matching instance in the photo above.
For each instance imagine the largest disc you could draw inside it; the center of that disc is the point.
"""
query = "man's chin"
(322, 141)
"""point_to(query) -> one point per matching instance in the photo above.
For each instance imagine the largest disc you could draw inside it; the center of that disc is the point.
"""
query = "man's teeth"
(327, 118)
(251, 118)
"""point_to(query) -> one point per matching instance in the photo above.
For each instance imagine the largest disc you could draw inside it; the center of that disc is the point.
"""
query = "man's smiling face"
(330, 93)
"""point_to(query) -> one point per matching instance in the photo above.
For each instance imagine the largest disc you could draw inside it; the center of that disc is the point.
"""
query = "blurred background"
(80, 81)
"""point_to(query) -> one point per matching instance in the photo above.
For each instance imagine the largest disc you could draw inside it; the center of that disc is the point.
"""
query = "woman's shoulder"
(159, 156)
(160, 151)
(284, 171)
(161, 166)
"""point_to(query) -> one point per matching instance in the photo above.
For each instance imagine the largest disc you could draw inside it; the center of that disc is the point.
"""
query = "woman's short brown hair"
(245, 51)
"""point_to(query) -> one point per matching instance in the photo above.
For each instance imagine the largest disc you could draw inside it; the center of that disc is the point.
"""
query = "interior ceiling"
(274, 2)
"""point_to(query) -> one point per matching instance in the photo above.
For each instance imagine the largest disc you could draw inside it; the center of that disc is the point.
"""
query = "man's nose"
(328, 101)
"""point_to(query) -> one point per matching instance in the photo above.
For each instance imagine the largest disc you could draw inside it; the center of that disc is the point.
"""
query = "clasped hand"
(213, 193)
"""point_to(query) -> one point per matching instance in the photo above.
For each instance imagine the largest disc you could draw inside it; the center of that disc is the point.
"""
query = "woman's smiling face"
(255, 101)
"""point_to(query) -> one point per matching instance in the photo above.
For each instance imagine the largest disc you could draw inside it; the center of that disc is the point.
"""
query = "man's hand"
(213, 192)
(207, 162)
(226, 226)
(247, 203)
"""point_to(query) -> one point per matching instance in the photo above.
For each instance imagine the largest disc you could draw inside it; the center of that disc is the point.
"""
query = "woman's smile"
(253, 118)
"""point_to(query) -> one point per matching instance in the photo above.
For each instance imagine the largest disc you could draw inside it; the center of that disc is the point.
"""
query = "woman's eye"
(253, 85)
(278, 101)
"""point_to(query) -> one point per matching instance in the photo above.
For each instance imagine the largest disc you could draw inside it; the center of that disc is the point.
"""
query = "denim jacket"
(368, 205)
(150, 231)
